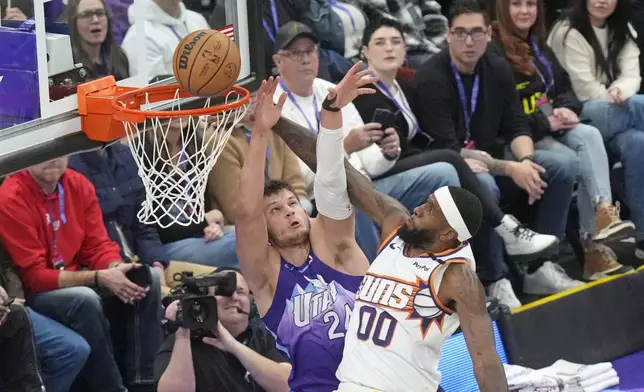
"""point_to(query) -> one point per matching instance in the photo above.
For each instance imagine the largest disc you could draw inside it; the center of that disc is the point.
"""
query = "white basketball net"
(175, 182)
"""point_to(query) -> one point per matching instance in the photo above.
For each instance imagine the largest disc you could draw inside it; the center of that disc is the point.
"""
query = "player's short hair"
(460, 7)
(378, 23)
(460, 208)
(274, 187)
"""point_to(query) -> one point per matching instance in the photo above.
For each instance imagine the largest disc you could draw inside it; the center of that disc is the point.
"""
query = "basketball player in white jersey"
(422, 286)
(417, 292)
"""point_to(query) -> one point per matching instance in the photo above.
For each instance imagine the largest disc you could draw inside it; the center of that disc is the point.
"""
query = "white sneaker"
(549, 279)
(522, 243)
(503, 292)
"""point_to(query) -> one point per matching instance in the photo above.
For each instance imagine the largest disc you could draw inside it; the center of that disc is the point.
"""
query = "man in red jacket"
(52, 227)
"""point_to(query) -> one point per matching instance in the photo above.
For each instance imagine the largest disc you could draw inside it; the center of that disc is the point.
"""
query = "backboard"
(56, 131)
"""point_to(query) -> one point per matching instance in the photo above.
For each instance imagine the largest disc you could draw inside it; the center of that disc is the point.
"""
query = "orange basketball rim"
(104, 106)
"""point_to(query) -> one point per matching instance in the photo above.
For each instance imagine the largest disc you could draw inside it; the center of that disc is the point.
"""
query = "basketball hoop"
(175, 182)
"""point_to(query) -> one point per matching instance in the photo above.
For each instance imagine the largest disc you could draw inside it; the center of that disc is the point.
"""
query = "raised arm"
(250, 225)
(330, 186)
(385, 211)
(461, 286)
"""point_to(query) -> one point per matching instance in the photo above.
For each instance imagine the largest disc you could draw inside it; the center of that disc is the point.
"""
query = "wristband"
(326, 104)
(96, 279)
(527, 157)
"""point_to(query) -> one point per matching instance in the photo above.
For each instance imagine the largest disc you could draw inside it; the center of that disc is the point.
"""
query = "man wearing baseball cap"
(290, 32)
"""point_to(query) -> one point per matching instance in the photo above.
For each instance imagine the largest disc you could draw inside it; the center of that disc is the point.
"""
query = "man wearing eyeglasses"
(467, 101)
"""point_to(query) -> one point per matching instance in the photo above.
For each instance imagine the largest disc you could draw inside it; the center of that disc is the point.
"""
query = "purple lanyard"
(400, 105)
(52, 220)
(334, 4)
(270, 34)
(175, 32)
(267, 172)
(467, 114)
(297, 105)
(546, 64)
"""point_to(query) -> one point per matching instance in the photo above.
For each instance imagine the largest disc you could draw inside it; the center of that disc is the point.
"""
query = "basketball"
(206, 63)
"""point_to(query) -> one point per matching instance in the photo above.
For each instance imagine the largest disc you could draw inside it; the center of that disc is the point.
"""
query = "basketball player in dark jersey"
(304, 273)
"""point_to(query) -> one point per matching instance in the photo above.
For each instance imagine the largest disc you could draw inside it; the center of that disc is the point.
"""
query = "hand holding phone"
(141, 276)
(385, 117)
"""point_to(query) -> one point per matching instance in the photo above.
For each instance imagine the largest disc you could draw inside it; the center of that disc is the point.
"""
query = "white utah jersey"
(398, 324)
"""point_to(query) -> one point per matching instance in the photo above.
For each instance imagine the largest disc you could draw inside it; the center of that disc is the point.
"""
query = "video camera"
(197, 308)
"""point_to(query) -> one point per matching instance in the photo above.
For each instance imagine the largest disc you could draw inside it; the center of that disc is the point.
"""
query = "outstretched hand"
(351, 86)
(267, 112)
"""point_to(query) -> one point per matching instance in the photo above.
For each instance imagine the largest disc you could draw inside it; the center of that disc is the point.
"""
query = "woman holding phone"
(384, 51)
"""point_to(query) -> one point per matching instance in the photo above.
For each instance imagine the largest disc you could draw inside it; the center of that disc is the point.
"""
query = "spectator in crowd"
(333, 66)
(18, 11)
(469, 102)
(118, 11)
(51, 226)
(282, 164)
(384, 49)
(93, 41)
(423, 25)
(166, 23)
(371, 149)
(120, 193)
(21, 372)
(595, 44)
(44, 354)
(242, 357)
(552, 110)
(203, 243)
(339, 24)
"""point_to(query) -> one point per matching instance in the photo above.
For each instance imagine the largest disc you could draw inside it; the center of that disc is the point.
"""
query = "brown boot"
(600, 261)
(608, 223)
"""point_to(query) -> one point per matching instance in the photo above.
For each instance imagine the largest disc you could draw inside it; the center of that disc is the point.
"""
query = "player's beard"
(299, 239)
(419, 238)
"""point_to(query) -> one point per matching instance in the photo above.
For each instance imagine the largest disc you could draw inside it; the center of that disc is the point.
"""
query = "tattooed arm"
(461, 286)
(385, 211)
(496, 167)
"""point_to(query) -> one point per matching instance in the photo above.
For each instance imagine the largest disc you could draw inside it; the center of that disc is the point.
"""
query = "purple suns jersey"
(309, 317)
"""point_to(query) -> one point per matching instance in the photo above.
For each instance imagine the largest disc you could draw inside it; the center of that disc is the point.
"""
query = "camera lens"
(198, 313)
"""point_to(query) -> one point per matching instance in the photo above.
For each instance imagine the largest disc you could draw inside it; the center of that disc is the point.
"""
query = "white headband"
(452, 214)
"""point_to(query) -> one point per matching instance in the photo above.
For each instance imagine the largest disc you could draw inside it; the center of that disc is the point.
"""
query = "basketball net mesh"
(175, 183)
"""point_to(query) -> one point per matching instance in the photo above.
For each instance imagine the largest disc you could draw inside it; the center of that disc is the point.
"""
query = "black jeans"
(492, 214)
(19, 370)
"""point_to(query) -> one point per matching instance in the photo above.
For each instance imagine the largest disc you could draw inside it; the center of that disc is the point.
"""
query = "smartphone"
(546, 108)
(385, 117)
(140, 276)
